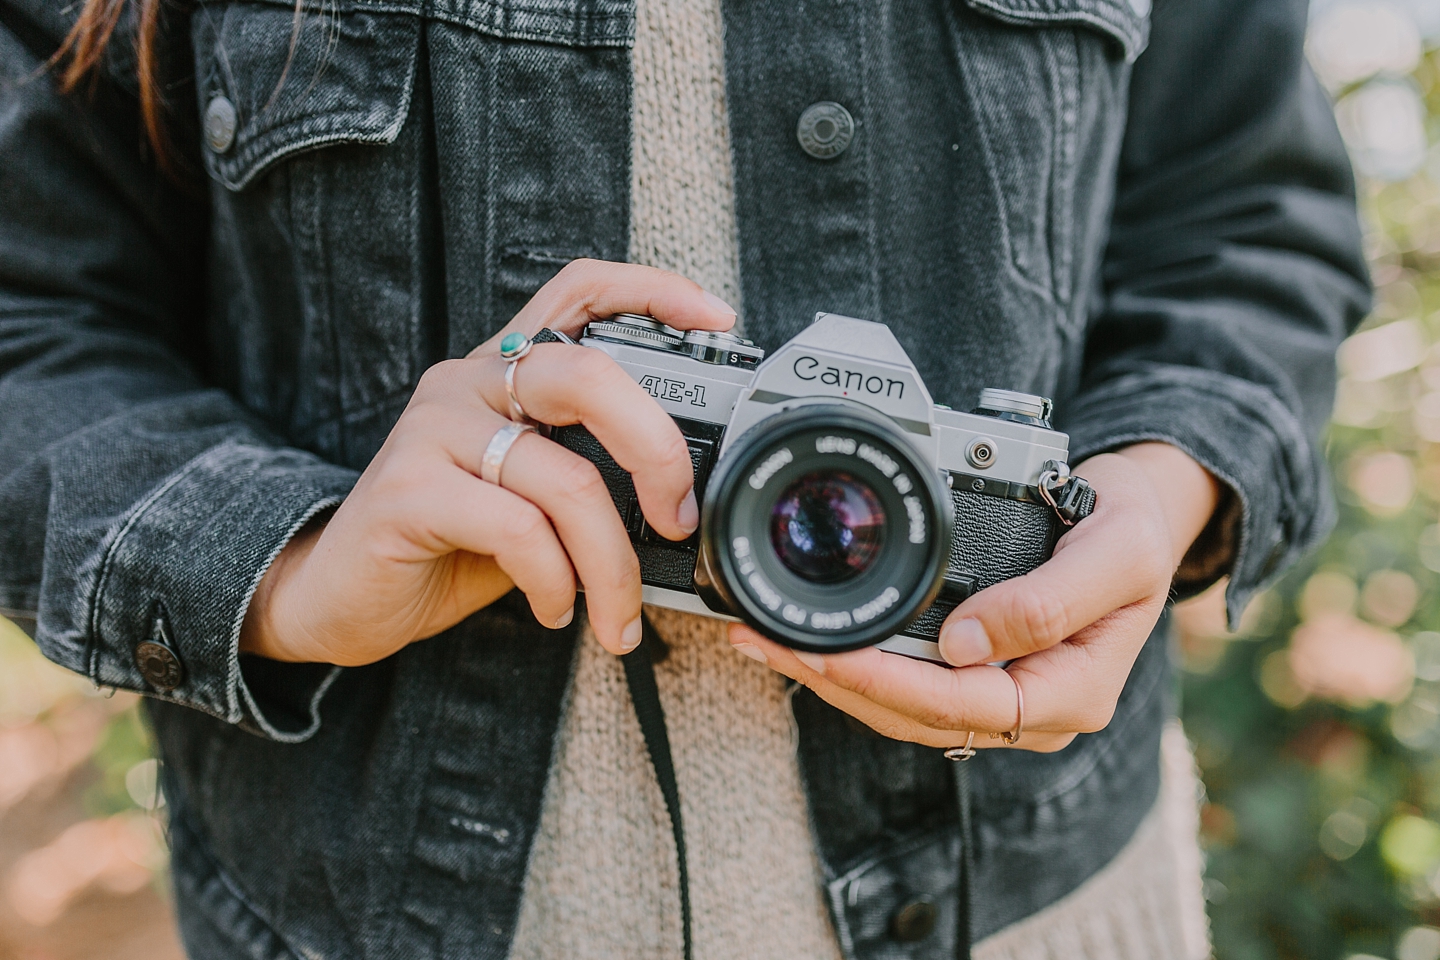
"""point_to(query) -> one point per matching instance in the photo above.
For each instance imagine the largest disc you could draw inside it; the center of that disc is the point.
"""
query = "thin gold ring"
(1013, 736)
(965, 752)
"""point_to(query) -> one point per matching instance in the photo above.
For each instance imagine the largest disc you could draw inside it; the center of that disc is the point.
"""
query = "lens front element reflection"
(827, 526)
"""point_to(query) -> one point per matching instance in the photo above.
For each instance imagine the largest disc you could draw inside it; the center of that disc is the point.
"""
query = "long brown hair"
(81, 51)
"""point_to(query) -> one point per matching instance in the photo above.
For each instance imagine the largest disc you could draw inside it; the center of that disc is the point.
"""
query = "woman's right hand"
(422, 542)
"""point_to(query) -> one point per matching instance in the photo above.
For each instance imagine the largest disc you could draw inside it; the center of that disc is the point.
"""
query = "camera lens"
(827, 526)
(824, 528)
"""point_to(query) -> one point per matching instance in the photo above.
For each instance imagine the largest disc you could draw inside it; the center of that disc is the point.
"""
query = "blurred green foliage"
(1317, 729)
(122, 780)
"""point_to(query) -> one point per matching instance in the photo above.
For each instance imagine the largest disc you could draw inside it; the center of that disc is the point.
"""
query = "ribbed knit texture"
(682, 191)
(602, 882)
(1147, 902)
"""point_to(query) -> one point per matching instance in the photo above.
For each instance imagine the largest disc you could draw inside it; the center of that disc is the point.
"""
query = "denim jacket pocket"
(274, 81)
(1126, 22)
(1026, 63)
(217, 921)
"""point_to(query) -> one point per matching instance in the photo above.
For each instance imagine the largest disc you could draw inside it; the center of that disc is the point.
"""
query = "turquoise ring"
(513, 348)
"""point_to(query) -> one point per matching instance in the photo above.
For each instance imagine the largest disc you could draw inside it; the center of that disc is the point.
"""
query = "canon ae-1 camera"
(840, 507)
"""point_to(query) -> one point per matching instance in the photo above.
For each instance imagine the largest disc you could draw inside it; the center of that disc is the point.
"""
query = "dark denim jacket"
(1164, 240)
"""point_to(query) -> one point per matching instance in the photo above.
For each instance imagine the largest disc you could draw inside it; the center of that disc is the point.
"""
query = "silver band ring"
(514, 348)
(496, 450)
(965, 752)
(1012, 737)
(517, 412)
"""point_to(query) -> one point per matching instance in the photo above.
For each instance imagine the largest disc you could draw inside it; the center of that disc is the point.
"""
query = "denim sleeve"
(1233, 271)
(136, 504)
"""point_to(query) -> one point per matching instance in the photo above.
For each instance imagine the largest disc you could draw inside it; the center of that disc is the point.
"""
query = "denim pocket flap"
(1127, 22)
(908, 892)
(274, 81)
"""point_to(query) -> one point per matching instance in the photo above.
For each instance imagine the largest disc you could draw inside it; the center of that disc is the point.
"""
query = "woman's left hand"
(1072, 627)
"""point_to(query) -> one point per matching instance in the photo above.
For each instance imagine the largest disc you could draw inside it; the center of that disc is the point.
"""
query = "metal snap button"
(159, 665)
(825, 130)
(220, 124)
(914, 921)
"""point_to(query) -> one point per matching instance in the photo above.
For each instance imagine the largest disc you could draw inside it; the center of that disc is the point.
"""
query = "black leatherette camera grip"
(663, 563)
(995, 539)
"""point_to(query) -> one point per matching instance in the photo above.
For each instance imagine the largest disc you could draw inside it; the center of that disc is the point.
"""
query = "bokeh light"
(1318, 735)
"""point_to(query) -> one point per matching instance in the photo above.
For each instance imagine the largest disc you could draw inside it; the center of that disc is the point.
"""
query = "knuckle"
(615, 581)
(1038, 617)
(439, 378)
(811, 682)
(1095, 717)
(893, 727)
(526, 527)
(580, 267)
(627, 573)
(948, 716)
(592, 370)
(399, 487)
(580, 276)
(423, 421)
(1055, 743)
(580, 480)
(674, 452)
(861, 684)
(946, 713)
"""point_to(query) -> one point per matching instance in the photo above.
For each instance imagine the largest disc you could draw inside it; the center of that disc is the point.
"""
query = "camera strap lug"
(1071, 497)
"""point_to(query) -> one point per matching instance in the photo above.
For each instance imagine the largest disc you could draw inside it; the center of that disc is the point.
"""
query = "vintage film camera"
(840, 507)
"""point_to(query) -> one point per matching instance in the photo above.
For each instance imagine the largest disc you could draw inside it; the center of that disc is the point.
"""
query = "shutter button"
(158, 663)
(220, 124)
(914, 921)
(825, 130)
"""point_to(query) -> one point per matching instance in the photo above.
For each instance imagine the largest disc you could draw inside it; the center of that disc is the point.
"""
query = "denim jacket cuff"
(175, 582)
(1276, 505)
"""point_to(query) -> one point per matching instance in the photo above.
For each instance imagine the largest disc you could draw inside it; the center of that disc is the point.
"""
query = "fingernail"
(565, 618)
(719, 304)
(630, 639)
(751, 651)
(689, 516)
(812, 660)
(965, 643)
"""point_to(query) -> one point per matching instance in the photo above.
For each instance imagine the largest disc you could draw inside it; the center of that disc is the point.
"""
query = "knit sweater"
(602, 882)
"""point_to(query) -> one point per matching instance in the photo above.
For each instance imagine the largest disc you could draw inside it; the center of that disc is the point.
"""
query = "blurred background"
(1316, 727)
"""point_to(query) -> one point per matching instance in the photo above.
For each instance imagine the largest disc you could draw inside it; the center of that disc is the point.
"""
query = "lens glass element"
(827, 526)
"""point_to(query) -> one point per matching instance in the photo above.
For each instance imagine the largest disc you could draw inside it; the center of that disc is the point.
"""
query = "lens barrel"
(824, 529)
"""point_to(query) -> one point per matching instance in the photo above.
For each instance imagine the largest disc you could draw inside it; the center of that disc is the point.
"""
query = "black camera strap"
(967, 834)
(645, 695)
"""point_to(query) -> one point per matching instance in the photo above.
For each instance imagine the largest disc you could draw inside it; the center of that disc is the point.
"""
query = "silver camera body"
(841, 507)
